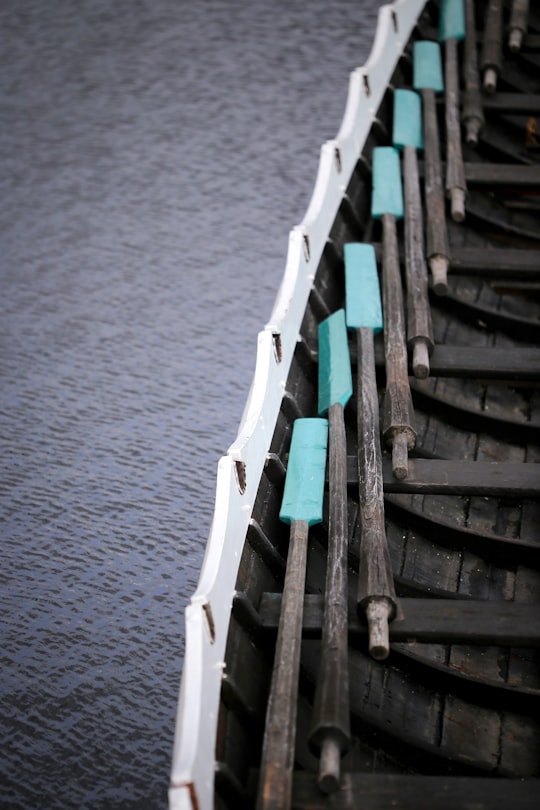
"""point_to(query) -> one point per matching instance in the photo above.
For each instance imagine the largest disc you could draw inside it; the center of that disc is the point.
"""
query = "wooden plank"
(500, 262)
(443, 621)
(505, 174)
(452, 477)
(486, 362)
(496, 262)
(418, 792)
(482, 362)
(455, 477)
(521, 103)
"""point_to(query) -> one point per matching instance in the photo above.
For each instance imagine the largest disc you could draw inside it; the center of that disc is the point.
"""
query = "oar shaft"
(419, 325)
(492, 46)
(275, 782)
(330, 730)
(518, 24)
(455, 173)
(375, 578)
(473, 116)
(438, 251)
(398, 423)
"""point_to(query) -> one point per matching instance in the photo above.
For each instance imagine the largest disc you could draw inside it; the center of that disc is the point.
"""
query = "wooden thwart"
(451, 477)
(412, 792)
(482, 362)
(443, 621)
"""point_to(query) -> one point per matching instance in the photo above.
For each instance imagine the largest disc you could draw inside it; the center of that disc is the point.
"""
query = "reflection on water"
(154, 156)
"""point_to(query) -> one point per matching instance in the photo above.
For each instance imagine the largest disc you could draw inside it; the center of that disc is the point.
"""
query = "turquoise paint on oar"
(427, 68)
(427, 78)
(407, 125)
(362, 291)
(335, 377)
(387, 197)
(376, 594)
(302, 506)
(407, 134)
(452, 20)
(330, 730)
(304, 484)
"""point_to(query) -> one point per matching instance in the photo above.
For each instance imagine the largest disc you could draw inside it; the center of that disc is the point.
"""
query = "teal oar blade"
(362, 291)
(335, 377)
(387, 197)
(427, 68)
(407, 125)
(304, 484)
(452, 20)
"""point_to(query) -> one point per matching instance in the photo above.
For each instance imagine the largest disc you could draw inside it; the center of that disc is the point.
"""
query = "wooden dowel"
(518, 24)
(492, 47)
(419, 326)
(473, 116)
(398, 421)
(330, 728)
(375, 578)
(275, 782)
(438, 252)
(455, 175)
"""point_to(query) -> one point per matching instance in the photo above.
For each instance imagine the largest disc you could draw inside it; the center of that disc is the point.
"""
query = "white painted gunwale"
(192, 775)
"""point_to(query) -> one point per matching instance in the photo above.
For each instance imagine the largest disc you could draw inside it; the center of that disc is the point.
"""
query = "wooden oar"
(387, 204)
(376, 594)
(407, 134)
(518, 24)
(491, 62)
(473, 115)
(451, 30)
(330, 732)
(428, 80)
(302, 507)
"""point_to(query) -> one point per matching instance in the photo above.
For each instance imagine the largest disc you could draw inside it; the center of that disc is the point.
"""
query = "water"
(153, 157)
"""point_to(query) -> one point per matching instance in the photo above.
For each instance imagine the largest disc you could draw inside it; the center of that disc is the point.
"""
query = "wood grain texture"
(275, 781)
(398, 415)
(331, 706)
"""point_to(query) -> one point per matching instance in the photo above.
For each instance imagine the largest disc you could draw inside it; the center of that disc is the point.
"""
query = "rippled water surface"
(153, 156)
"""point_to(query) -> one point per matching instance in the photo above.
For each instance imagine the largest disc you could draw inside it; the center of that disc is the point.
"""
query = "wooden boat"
(449, 716)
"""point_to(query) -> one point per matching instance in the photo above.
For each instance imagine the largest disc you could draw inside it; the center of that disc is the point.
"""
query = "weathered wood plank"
(502, 174)
(486, 362)
(442, 621)
(453, 477)
(482, 362)
(525, 103)
(406, 792)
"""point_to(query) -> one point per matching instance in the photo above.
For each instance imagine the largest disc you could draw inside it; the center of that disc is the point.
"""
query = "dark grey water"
(153, 157)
